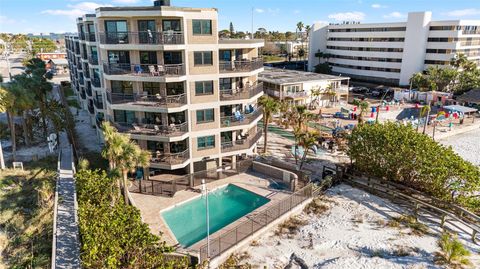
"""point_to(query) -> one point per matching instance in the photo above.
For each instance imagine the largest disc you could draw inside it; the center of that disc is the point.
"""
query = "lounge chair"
(152, 70)
(161, 70)
(239, 116)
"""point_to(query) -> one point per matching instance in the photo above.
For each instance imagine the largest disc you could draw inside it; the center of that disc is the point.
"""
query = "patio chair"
(152, 70)
(161, 70)
(156, 128)
(239, 116)
(138, 69)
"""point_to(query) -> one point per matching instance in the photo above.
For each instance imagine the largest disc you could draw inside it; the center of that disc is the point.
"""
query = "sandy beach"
(466, 145)
(353, 233)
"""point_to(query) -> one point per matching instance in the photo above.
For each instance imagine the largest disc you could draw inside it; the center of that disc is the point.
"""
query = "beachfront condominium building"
(161, 75)
(391, 53)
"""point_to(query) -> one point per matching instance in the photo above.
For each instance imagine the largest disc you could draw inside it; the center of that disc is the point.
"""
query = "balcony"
(241, 119)
(242, 144)
(157, 100)
(82, 94)
(295, 94)
(90, 108)
(170, 158)
(145, 70)
(93, 60)
(96, 82)
(89, 91)
(81, 36)
(98, 103)
(240, 94)
(142, 38)
(90, 37)
(241, 66)
(152, 129)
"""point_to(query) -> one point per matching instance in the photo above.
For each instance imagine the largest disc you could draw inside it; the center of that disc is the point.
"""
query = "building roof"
(472, 96)
(285, 76)
(462, 109)
(59, 61)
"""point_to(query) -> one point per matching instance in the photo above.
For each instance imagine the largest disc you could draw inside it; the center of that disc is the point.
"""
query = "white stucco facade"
(392, 52)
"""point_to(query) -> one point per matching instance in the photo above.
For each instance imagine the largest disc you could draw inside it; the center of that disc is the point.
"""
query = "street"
(16, 66)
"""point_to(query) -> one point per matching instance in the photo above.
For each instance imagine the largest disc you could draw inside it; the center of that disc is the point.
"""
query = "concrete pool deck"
(151, 206)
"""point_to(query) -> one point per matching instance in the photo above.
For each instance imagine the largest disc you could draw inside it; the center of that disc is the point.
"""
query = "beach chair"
(239, 116)
(152, 70)
(161, 70)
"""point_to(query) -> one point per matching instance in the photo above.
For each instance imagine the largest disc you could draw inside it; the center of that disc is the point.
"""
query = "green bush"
(112, 233)
(452, 253)
(398, 153)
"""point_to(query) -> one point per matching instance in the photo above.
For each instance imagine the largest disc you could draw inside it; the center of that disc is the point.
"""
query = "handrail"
(157, 99)
(445, 214)
(170, 158)
(153, 70)
(240, 65)
(142, 37)
(152, 129)
(242, 93)
(234, 120)
(241, 144)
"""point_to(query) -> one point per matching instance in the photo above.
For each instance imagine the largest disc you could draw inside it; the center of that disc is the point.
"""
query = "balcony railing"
(89, 91)
(98, 103)
(96, 82)
(93, 59)
(295, 94)
(146, 37)
(90, 37)
(148, 70)
(241, 144)
(241, 119)
(239, 94)
(170, 158)
(240, 66)
(90, 108)
(81, 36)
(152, 129)
(147, 100)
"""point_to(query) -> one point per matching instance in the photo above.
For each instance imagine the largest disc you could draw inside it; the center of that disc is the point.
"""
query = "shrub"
(290, 226)
(400, 154)
(112, 233)
(452, 253)
(411, 222)
(316, 207)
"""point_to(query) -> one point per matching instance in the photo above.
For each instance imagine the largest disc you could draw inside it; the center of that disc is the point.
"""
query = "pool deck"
(151, 206)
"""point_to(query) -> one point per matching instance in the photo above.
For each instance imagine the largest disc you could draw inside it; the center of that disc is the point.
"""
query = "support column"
(234, 162)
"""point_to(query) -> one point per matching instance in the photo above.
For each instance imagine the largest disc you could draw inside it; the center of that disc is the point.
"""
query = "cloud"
(378, 6)
(395, 14)
(259, 10)
(296, 11)
(76, 10)
(463, 12)
(348, 16)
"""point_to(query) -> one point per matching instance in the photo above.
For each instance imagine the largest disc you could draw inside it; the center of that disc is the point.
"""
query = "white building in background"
(291, 47)
(392, 52)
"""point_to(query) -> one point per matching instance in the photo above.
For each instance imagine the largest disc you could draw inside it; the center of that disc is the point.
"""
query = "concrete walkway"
(66, 245)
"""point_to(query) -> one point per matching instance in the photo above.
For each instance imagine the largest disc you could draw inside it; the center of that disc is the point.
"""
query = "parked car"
(362, 90)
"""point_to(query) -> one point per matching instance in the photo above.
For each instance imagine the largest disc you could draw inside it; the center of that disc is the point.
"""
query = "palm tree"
(315, 95)
(132, 157)
(14, 100)
(330, 92)
(300, 26)
(362, 106)
(425, 112)
(307, 140)
(270, 106)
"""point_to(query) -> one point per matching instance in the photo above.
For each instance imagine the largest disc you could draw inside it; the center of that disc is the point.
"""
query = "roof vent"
(161, 3)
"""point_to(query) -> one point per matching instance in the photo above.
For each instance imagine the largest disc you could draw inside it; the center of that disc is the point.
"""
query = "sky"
(58, 16)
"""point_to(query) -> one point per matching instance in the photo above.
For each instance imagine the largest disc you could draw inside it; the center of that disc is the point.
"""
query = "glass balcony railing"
(240, 94)
(146, 99)
(243, 143)
(241, 118)
(152, 129)
(145, 37)
(240, 66)
(148, 70)
(170, 158)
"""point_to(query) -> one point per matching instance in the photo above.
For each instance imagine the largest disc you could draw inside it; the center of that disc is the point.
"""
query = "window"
(151, 88)
(202, 27)
(125, 87)
(124, 116)
(206, 142)
(202, 58)
(148, 57)
(206, 115)
(171, 25)
(172, 57)
(203, 87)
(119, 57)
(225, 83)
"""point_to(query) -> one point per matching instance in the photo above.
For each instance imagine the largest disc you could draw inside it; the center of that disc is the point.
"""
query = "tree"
(452, 251)
(42, 45)
(418, 81)
(299, 28)
(224, 34)
(315, 97)
(307, 140)
(232, 30)
(425, 112)
(270, 106)
(323, 68)
(362, 106)
(399, 154)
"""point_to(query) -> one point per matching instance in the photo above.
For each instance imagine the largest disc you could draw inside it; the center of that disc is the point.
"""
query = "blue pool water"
(227, 204)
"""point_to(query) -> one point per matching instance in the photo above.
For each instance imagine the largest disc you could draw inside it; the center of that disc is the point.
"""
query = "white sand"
(467, 145)
(341, 242)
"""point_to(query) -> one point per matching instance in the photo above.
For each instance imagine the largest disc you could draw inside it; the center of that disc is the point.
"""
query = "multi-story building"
(392, 52)
(167, 80)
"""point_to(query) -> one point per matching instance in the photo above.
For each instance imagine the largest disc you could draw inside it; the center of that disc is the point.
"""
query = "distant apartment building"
(161, 75)
(51, 56)
(289, 47)
(297, 87)
(392, 52)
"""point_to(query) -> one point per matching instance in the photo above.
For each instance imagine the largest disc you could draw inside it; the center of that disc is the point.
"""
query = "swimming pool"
(226, 204)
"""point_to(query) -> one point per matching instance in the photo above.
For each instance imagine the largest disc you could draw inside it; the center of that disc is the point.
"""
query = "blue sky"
(36, 16)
